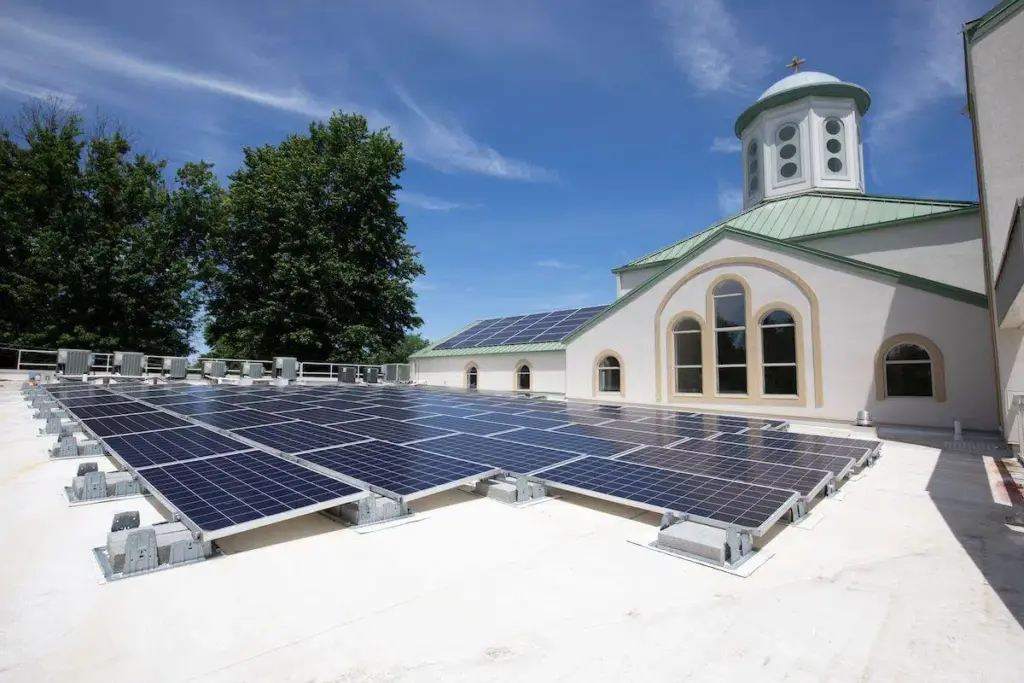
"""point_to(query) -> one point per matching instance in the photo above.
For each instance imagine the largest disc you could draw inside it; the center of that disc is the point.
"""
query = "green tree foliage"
(313, 261)
(96, 250)
(400, 353)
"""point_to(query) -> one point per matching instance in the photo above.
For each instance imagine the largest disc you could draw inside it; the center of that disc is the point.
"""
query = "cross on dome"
(795, 64)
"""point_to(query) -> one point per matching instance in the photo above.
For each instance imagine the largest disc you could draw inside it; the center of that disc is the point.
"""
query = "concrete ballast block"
(695, 539)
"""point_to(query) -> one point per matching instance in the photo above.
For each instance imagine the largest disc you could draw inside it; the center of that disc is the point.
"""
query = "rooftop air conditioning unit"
(175, 368)
(252, 369)
(214, 368)
(371, 375)
(74, 361)
(397, 372)
(348, 375)
(286, 368)
(130, 364)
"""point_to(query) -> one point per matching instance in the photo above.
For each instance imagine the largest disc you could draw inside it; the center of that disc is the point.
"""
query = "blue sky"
(548, 141)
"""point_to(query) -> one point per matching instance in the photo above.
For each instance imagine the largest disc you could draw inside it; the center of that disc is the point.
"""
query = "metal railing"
(332, 371)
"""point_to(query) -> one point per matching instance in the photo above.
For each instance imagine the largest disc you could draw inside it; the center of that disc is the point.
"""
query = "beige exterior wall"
(946, 250)
(845, 318)
(631, 279)
(494, 373)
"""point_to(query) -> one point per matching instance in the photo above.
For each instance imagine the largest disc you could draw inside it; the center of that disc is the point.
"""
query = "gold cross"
(795, 64)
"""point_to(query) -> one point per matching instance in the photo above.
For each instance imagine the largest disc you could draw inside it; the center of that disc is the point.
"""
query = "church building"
(817, 300)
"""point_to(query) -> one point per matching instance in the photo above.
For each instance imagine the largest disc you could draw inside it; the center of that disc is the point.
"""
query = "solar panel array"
(522, 329)
(230, 457)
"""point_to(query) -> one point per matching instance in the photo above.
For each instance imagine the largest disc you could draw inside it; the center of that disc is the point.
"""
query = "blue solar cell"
(393, 413)
(275, 406)
(678, 430)
(298, 437)
(807, 443)
(323, 416)
(171, 445)
(92, 400)
(452, 410)
(225, 491)
(717, 500)
(550, 326)
(341, 404)
(132, 424)
(245, 397)
(393, 431)
(401, 470)
(461, 424)
(110, 410)
(241, 418)
(515, 458)
(838, 465)
(521, 420)
(200, 407)
(580, 445)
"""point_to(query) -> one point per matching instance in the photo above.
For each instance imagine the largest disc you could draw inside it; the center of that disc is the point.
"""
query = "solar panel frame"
(859, 449)
(717, 502)
(393, 413)
(463, 425)
(622, 435)
(570, 443)
(340, 404)
(250, 476)
(97, 400)
(275, 406)
(680, 431)
(805, 481)
(151, 449)
(242, 418)
(513, 420)
(450, 410)
(138, 423)
(394, 431)
(323, 416)
(509, 456)
(199, 407)
(296, 438)
(840, 466)
(110, 410)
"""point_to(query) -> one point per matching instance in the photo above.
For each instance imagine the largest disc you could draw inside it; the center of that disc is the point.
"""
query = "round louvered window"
(835, 155)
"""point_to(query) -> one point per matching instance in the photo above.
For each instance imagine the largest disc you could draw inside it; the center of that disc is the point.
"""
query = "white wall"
(495, 372)
(631, 279)
(856, 315)
(946, 249)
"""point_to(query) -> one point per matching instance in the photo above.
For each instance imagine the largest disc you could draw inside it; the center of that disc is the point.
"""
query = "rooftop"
(560, 590)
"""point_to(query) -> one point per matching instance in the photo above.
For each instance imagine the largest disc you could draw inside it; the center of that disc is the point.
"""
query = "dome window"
(787, 146)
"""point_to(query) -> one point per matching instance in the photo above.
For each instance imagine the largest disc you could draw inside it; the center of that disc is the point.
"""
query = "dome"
(803, 84)
(799, 80)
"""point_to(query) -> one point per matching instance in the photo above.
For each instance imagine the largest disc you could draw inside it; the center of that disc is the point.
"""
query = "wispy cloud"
(421, 286)
(709, 46)
(445, 146)
(726, 145)
(37, 92)
(553, 263)
(730, 200)
(426, 202)
(927, 66)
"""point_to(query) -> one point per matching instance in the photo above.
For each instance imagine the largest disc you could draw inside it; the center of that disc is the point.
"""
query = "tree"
(409, 345)
(97, 251)
(313, 260)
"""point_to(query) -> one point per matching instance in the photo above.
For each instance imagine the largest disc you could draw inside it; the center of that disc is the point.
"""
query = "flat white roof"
(912, 576)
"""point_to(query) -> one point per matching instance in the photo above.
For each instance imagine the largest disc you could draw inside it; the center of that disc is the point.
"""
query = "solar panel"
(566, 416)
(323, 416)
(678, 430)
(242, 398)
(750, 422)
(171, 445)
(451, 411)
(807, 482)
(176, 397)
(339, 404)
(400, 470)
(721, 501)
(94, 400)
(522, 329)
(461, 424)
(249, 488)
(298, 437)
(710, 423)
(276, 406)
(393, 413)
(570, 443)
(132, 424)
(240, 419)
(521, 420)
(395, 402)
(393, 431)
(200, 407)
(807, 443)
(515, 458)
(110, 410)
(624, 435)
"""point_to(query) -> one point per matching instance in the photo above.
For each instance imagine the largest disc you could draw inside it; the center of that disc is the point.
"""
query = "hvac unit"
(286, 368)
(130, 364)
(397, 372)
(214, 368)
(371, 375)
(74, 361)
(175, 368)
(348, 375)
(252, 369)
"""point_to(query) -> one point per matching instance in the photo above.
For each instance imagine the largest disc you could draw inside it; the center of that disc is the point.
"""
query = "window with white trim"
(609, 374)
(688, 359)
(730, 306)
(908, 371)
(778, 354)
(787, 153)
(523, 377)
(471, 377)
(835, 147)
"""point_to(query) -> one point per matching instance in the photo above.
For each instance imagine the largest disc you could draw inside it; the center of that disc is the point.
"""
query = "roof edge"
(444, 339)
(897, 223)
(986, 23)
(492, 350)
(857, 93)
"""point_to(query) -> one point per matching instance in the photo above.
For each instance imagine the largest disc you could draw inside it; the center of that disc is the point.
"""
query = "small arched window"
(471, 377)
(778, 353)
(908, 371)
(730, 300)
(835, 147)
(523, 377)
(609, 374)
(688, 357)
(753, 163)
(787, 152)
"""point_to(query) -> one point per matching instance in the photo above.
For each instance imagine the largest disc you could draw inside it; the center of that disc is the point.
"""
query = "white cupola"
(801, 134)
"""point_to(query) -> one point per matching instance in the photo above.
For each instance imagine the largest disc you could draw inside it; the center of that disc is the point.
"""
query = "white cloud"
(927, 65)
(446, 147)
(709, 47)
(726, 145)
(730, 200)
(426, 202)
(552, 263)
(37, 92)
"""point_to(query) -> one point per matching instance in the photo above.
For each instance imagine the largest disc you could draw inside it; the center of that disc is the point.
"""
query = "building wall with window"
(495, 372)
(842, 316)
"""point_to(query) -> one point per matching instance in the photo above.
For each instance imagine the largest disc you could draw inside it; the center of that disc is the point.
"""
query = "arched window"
(835, 147)
(471, 377)
(688, 359)
(908, 371)
(730, 299)
(787, 152)
(523, 377)
(609, 374)
(778, 354)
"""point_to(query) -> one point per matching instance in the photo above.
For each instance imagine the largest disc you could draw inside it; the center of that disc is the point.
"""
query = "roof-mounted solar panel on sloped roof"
(521, 329)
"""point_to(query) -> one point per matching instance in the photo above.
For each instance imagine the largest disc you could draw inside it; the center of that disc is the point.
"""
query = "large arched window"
(908, 371)
(471, 377)
(730, 302)
(609, 374)
(688, 359)
(778, 354)
(523, 377)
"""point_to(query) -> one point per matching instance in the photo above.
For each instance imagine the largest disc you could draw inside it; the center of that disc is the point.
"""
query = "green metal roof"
(431, 352)
(995, 16)
(812, 215)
